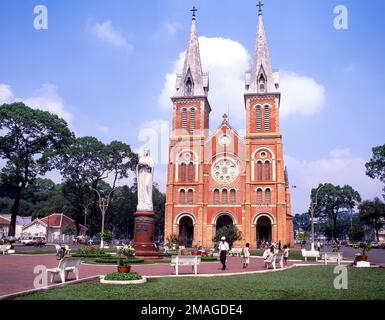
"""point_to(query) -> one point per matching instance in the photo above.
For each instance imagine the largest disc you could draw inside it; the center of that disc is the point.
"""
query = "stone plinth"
(144, 235)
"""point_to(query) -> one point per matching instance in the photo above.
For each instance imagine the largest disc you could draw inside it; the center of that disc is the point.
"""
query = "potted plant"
(123, 266)
(124, 255)
(366, 247)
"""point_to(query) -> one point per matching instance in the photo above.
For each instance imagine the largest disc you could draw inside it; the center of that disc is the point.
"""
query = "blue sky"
(103, 67)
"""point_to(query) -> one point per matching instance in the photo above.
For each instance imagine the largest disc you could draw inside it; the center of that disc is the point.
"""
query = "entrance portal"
(224, 220)
(186, 232)
(264, 232)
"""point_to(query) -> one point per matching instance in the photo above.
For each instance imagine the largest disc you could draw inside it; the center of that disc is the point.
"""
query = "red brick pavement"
(16, 271)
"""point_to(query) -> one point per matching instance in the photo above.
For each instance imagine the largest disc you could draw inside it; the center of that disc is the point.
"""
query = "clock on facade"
(225, 170)
(225, 140)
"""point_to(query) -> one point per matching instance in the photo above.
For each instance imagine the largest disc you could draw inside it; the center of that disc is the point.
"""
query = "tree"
(302, 222)
(31, 142)
(375, 168)
(87, 163)
(372, 214)
(230, 232)
(331, 199)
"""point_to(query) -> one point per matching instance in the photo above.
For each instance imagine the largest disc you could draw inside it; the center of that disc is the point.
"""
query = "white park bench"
(310, 254)
(5, 248)
(64, 268)
(193, 261)
(273, 263)
(332, 257)
(236, 252)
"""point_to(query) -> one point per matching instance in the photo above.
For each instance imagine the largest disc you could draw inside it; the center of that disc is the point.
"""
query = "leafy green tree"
(302, 221)
(231, 232)
(375, 168)
(31, 142)
(332, 199)
(372, 214)
(87, 163)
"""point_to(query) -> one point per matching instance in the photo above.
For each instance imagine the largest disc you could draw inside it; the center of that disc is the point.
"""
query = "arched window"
(182, 197)
(259, 118)
(267, 170)
(259, 195)
(189, 86)
(190, 172)
(184, 118)
(224, 196)
(190, 196)
(259, 170)
(192, 120)
(216, 196)
(183, 169)
(268, 195)
(261, 83)
(267, 118)
(232, 196)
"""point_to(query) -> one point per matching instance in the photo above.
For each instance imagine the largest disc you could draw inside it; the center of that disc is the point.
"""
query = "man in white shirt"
(223, 249)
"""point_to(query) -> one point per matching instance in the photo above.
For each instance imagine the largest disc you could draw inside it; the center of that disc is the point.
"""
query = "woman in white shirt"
(246, 255)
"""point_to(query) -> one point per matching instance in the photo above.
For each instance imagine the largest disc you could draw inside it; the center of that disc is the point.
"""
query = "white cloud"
(340, 167)
(6, 94)
(300, 95)
(47, 98)
(226, 60)
(107, 33)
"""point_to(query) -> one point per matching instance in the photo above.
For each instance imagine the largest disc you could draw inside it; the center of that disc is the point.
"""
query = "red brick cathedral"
(224, 178)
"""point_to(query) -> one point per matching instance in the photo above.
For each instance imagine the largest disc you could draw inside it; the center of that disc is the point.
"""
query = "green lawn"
(311, 283)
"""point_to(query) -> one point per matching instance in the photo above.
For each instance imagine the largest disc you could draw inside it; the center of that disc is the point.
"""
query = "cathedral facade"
(223, 178)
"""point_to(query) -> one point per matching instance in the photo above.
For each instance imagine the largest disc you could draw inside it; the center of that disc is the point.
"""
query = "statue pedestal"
(144, 235)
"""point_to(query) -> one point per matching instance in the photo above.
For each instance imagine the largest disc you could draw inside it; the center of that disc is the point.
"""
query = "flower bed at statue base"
(123, 278)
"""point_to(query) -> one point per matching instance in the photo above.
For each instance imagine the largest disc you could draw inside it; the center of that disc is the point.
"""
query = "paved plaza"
(17, 270)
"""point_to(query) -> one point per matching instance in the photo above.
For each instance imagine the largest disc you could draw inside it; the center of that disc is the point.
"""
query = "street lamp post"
(103, 205)
(313, 205)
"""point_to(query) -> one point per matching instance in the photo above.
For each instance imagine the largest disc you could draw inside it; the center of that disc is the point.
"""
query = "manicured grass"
(36, 252)
(304, 283)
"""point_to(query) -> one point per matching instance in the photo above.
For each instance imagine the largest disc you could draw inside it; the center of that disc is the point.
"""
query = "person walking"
(318, 246)
(246, 256)
(223, 249)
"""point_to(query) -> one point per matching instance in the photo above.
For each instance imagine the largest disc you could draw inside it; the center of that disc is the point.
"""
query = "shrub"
(127, 252)
(114, 260)
(116, 276)
(106, 235)
(91, 251)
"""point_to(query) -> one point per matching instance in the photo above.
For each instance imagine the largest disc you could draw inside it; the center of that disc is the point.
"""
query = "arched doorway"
(224, 220)
(264, 232)
(186, 231)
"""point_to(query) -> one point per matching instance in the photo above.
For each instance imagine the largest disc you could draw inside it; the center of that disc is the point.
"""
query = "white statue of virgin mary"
(145, 176)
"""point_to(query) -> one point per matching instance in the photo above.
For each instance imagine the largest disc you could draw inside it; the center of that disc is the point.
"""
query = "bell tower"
(266, 181)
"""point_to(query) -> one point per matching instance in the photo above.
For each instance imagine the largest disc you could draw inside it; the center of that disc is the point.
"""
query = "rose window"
(225, 170)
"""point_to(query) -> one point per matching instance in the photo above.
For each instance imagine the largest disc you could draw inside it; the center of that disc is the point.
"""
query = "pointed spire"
(192, 81)
(261, 78)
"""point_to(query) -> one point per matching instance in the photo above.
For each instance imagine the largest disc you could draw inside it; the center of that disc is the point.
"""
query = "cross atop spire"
(260, 5)
(261, 78)
(194, 10)
(192, 81)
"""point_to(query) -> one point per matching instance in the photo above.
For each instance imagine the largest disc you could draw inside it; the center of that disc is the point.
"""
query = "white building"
(21, 222)
(52, 228)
